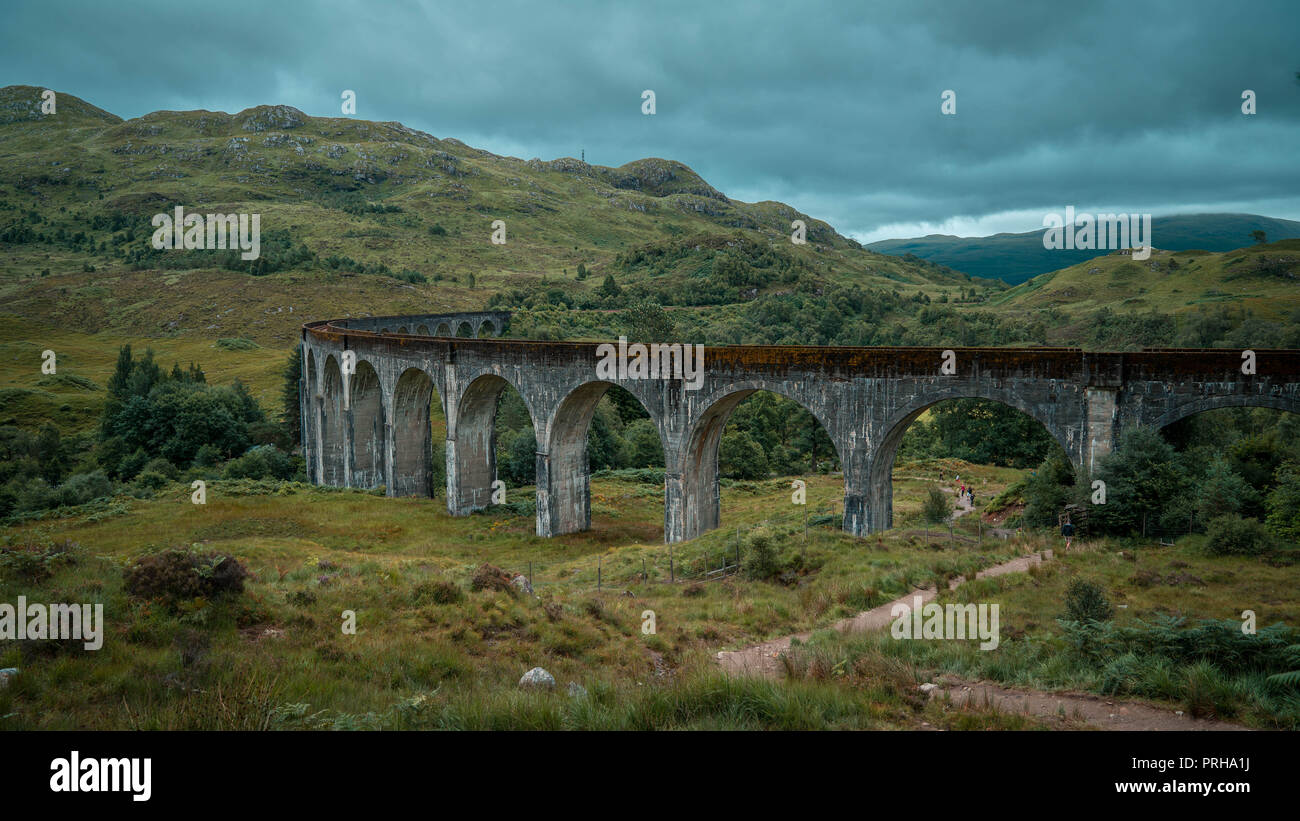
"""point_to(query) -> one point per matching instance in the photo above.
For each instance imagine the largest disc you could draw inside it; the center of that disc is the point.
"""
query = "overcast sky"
(1127, 106)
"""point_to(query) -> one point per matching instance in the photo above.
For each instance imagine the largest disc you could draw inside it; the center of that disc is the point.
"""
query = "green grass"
(1035, 652)
(316, 552)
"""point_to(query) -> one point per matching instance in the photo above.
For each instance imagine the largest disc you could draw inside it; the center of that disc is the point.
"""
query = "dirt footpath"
(765, 660)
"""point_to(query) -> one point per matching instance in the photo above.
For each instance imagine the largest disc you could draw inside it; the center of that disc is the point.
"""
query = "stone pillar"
(453, 480)
(390, 455)
(563, 492)
(880, 505)
(318, 439)
(1101, 421)
(862, 500)
(348, 443)
(674, 508)
(856, 508)
(546, 524)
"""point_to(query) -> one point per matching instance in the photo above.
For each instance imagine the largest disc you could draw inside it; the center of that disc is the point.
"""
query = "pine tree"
(291, 417)
(121, 378)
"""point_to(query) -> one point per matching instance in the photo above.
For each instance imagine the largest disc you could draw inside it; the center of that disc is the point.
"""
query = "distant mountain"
(1015, 258)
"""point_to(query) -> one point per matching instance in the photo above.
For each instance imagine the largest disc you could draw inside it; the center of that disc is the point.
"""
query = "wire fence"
(718, 558)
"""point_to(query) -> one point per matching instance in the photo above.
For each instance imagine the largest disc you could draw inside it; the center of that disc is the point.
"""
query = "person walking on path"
(1067, 530)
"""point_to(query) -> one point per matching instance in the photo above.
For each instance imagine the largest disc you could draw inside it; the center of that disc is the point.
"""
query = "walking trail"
(765, 660)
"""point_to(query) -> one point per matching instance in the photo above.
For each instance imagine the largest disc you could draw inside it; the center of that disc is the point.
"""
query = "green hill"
(1248, 297)
(341, 196)
(363, 218)
(1014, 258)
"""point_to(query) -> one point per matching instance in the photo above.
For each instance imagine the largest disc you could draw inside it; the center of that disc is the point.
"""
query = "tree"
(936, 507)
(290, 396)
(990, 433)
(1283, 503)
(582, 271)
(1222, 491)
(517, 465)
(731, 270)
(1259, 236)
(740, 457)
(647, 322)
(609, 288)
(1047, 491)
(1144, 478)
(645, 450)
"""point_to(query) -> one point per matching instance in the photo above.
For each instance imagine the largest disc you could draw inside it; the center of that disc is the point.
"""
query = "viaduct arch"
(368, 384)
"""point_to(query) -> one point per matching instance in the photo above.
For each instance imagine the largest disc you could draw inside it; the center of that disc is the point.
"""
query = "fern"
(1291, 678)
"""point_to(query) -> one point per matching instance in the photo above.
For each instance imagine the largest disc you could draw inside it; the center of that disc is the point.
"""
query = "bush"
(151, 480)
(1234, 535)
(262, 462)
(35, 562)
(436, 591)
(85, 487)
(490, 577)
(178, 574)
(762, 557)
(1085, 601)
(160, 465)
(936, 507)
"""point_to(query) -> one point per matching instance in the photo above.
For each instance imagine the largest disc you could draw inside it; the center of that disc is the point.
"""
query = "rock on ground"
(537, 677)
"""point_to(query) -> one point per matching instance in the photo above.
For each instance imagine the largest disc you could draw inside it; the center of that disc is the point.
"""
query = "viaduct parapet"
(368, 385)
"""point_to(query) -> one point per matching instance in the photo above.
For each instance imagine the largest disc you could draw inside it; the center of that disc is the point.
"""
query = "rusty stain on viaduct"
(370, 427)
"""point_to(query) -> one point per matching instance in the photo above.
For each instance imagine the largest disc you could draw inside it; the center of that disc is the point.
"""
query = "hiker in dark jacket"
(1067, 530)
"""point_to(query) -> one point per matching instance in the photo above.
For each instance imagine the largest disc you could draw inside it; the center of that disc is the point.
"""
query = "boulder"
(537, 677)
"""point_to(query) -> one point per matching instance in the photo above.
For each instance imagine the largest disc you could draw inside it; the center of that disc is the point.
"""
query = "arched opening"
(402, 329)
(423, 330)
(443, 330)
(749, 434)
(310, 420)
(464, 330)
(599, 425)
(419, 436)
(383, 330)
(334, 445)
(493, 439)
(979, 431)
(486, 330)
(368, 440)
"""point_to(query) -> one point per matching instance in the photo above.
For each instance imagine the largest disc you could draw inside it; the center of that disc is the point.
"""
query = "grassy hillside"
(1184, 298)
(375, 193)
(1014, 258)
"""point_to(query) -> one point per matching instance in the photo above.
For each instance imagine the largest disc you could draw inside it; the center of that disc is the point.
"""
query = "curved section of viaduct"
(368, 384)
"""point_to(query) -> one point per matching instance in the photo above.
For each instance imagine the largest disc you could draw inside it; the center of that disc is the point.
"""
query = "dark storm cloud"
(832, 107)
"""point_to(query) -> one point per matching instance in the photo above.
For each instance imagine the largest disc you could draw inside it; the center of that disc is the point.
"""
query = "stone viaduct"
(368, 385)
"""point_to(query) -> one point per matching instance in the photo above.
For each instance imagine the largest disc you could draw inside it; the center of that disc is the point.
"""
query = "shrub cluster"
(180, 574)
